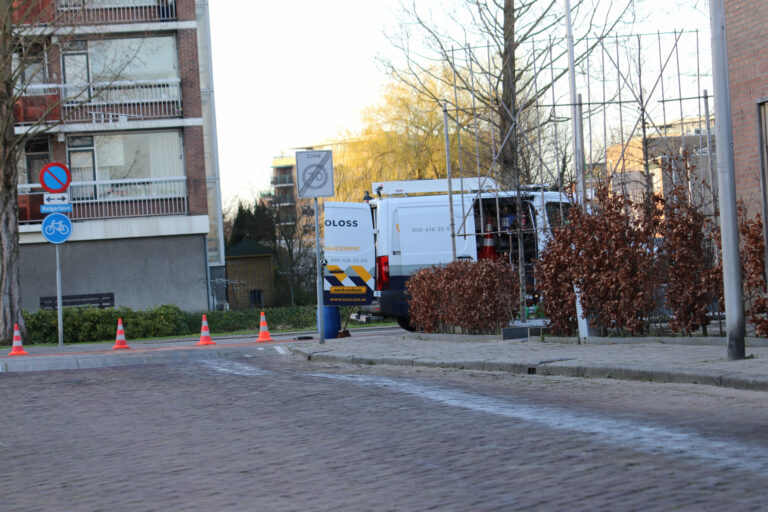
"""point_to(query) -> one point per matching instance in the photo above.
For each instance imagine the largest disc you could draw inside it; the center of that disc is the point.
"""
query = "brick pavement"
(662, 362)
(228, 435)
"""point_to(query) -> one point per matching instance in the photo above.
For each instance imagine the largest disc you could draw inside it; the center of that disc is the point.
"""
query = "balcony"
(111, 199)
(41, 102)
(282, 180)
(97, 12)
(100, 102)
(33, 12)
(284, 200)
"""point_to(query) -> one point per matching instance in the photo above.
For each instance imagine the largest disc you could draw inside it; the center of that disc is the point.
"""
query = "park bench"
(100, 300)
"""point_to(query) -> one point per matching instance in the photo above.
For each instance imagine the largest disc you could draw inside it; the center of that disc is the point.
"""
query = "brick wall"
(185, 10)
(194, 160)
(747, 40)
(194, 151)
(189, 72)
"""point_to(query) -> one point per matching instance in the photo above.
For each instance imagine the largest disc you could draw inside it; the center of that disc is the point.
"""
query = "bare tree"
(31, 37)
(503, 77)
(295, 246)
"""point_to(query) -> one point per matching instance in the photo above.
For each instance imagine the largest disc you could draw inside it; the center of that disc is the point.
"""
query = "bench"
(100, 300)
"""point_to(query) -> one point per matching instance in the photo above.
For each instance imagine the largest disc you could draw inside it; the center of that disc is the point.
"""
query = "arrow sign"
(55, 177)
(56, 198)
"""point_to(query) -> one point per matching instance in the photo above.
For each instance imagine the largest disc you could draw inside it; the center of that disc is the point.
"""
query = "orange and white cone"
(120, 339)
(488, 251)
(205, 334)
(18, 348)
(263, 330)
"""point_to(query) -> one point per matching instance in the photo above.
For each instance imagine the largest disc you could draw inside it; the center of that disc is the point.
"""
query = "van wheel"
(405, 323)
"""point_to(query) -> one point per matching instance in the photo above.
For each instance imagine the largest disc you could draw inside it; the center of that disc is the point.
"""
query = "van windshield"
(557, 214)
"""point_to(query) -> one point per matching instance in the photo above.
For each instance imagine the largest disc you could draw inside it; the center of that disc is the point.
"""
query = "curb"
(550, 368)
(45, 362)
(712, 341)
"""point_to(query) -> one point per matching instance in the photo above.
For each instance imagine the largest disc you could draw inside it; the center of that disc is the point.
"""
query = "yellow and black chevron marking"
(354, 275)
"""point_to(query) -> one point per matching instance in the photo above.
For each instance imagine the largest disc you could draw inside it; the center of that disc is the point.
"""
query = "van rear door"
(348, 277)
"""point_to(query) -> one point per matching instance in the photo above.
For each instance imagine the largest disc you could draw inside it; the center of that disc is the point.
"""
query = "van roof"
(535, 196)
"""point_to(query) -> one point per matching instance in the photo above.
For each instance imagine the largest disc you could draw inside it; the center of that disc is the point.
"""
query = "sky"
(289, 74)
(296, 73)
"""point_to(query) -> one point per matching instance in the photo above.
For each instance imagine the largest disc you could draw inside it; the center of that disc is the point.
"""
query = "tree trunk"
(508, 92)
(10, 287)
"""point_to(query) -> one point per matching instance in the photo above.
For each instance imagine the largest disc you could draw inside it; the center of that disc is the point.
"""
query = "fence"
(116, 101)
(112, 199)
(644, 106)
(116, 11)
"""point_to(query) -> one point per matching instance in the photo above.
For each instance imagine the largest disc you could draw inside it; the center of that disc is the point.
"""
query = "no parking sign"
(55, 177)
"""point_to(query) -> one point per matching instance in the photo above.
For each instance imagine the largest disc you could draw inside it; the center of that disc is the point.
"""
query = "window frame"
(762, 141)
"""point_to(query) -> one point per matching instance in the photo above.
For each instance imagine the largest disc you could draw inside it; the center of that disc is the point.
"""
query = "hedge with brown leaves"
(554, 274)
(479, 297)
(608, 254)
(692, 280)
(753, 268)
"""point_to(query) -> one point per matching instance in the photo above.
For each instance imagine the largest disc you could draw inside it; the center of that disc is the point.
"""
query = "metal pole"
(578, 155)
(448, 175)
(578, 150)
(729, 228)
(710, 162)
(320, 309)
(59, 314)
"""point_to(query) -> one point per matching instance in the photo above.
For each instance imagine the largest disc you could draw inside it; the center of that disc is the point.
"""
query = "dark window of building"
(763, 132)
(37, 155)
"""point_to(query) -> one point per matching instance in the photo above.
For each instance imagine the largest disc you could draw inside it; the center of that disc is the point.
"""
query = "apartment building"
(125, 92)
(747, 41)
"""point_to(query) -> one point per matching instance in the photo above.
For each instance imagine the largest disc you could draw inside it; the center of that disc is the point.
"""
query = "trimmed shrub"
(87, 324)
(483, 297)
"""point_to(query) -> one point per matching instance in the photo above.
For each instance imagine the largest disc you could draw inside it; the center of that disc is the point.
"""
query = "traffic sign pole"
(60, 315)
(55, 178)
(320, 308)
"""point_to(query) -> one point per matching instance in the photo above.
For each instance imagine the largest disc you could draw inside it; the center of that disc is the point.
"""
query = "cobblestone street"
(277, 433)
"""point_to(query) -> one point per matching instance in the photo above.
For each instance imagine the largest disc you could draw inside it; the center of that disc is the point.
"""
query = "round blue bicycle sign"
(56, 228)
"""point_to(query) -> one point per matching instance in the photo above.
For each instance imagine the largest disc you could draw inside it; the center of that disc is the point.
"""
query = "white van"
(412, 232)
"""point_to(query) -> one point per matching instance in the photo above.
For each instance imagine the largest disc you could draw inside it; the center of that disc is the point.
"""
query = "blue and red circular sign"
(55, 177)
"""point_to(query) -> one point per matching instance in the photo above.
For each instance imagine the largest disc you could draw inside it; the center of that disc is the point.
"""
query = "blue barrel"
(332, 321)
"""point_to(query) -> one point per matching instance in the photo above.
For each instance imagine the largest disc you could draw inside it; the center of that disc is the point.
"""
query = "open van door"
(350, 254)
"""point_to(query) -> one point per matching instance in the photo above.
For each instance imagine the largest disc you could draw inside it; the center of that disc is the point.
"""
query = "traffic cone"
(120, 339)
(488, 251)
(18, 349)
(205, 334)
(263, 330)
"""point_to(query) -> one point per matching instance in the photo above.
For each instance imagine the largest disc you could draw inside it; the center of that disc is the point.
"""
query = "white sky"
(289, 74)
(296, 73)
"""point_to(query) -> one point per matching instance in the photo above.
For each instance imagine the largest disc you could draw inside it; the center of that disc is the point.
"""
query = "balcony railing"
(283, 179)
(116, 11)
(100, 102)
(112, 199)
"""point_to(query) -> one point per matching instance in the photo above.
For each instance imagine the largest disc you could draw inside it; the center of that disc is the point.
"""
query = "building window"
(147, 58)
(763, 134)
(36, 155)
(75, 64)
(117, 64)
(126, 156)
(33, 72)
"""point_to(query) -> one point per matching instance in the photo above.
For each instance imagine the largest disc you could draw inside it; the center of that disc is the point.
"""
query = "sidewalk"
(681, 361)
(625, 359)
